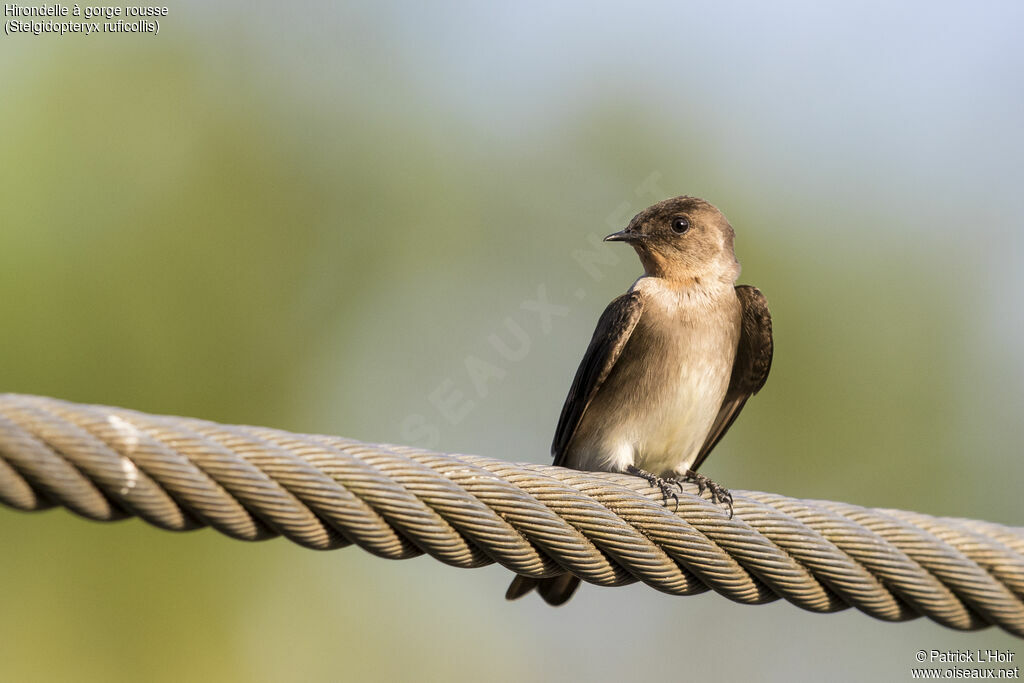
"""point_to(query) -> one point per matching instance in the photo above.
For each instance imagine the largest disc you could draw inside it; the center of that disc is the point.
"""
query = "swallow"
(670, 366)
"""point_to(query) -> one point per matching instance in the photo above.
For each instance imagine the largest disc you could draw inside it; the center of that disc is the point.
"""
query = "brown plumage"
(749, 368)
(670, 366)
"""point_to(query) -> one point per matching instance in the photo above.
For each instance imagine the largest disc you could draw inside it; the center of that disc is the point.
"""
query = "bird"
(670, 365)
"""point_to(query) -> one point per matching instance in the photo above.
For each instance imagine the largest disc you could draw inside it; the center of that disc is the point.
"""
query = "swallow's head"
(683, 238)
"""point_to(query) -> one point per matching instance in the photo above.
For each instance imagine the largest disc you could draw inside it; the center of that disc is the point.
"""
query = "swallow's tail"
(555, 590)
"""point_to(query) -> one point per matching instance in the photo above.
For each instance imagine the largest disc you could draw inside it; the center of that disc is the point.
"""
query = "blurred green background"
(311, 217)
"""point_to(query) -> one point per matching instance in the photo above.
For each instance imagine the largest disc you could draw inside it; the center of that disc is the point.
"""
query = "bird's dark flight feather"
(749, 370)
(555, 590)
(610, 337)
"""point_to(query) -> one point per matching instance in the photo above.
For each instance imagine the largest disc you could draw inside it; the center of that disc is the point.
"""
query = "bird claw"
(719, 494)
(654, 480)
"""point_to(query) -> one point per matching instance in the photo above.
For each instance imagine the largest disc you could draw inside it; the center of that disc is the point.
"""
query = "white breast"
(655, 412)
(669, 435)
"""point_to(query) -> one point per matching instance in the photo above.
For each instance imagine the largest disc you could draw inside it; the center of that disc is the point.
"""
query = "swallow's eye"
(680, 225)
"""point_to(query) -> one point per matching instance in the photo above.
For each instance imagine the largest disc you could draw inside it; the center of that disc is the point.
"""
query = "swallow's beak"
(626, 235)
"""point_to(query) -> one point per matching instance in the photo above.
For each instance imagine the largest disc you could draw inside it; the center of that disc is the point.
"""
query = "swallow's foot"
(654, 480)
(719, 494)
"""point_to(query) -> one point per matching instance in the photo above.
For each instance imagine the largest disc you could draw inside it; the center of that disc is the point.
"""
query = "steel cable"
(397, 502)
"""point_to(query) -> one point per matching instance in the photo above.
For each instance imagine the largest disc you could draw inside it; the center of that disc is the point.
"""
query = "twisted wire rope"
(397, 502)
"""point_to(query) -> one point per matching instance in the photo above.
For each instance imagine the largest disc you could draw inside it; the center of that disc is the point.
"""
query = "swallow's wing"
(610, 337)
(749, 370)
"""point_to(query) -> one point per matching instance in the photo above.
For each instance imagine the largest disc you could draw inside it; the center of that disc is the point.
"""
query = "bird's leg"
(719, 494)
(654, 480)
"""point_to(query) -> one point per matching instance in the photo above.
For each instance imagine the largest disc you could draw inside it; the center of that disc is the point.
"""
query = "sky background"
(310, 217)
